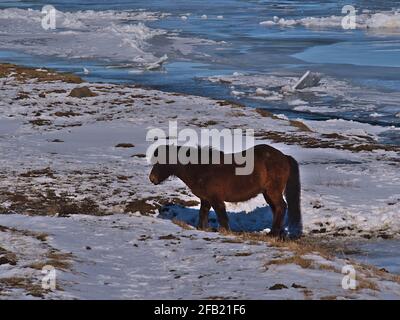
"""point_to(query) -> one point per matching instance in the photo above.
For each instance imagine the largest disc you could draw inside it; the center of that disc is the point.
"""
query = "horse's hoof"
(279, 235)
(224, 230)
(293, 237)
(275, 233)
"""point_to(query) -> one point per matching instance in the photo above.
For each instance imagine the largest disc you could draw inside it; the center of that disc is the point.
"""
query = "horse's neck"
(184, 173)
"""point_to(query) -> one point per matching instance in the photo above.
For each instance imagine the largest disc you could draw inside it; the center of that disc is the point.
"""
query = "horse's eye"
(156, 153)
(188, 152)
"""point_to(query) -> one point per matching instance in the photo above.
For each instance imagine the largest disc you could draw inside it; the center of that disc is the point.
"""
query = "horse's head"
(159, 173)
(161, 168)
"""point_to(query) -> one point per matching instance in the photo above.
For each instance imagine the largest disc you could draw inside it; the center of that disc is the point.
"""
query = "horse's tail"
(292, 195)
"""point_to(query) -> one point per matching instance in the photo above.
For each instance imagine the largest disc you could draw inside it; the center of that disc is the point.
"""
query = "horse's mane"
(208, 148)
(200, 149)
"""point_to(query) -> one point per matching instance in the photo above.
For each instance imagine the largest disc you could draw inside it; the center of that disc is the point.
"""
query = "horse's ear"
(160, 155)
(154, 156)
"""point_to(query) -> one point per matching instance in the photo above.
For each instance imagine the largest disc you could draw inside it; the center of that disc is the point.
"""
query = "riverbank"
(64, 155)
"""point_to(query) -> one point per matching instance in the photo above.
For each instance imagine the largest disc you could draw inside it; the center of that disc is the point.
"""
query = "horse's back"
(265, 148)
(268, 154)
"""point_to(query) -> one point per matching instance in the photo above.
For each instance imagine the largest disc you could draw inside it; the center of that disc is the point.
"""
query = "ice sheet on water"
(331, 96)
(108, 35)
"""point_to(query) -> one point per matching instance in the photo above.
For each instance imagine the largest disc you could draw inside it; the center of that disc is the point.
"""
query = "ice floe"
(387, 20)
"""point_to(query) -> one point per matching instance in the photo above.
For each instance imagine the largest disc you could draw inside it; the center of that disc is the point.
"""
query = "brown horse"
(274, 174)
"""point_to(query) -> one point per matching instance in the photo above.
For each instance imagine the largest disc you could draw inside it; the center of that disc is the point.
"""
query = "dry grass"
(332, 140)
(40, 122)
(312, 245)
(66, 114)
(301, 126)
(265, 113)
(41, 236)
(243, 254)
(142, 206)
(58, 260)
(48, 203)
(26, 284)
(46, 172)
(302, 246)
(329, 298)
(8, 257)
(231, 240)
(363, 283)
(308, 294)
(82, 92)
(295, 259)
(314, 142)
(182, 224)
(204, 124)
(372, 271)
(328, 267)
(53, 257)
(150, 205)
(24, 73)
(219, 298)
(125, 145)
(232, 104)
(236, 114)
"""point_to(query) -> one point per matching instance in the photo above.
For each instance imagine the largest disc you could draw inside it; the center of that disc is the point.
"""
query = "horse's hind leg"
(278, 206)
(203, 214)
(223, 220)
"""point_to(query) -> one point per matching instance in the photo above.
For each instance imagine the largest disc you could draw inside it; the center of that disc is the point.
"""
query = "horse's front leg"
(203, 214)
(223, 220)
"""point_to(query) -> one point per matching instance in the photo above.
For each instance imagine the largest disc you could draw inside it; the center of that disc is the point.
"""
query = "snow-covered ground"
(136, 257)
(64, 155)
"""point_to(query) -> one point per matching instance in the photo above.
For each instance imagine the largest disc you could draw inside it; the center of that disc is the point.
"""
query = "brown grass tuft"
(301, 126)
(33, 289)
(329, 298)
(25, 73)
(144, 207)
(363, 283)
(264, 113)
(295, 259)
(182, 224)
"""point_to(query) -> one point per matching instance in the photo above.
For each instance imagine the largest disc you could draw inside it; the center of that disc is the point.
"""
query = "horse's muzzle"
(153, 179)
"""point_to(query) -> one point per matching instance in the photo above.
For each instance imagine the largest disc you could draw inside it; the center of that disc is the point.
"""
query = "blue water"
(367, 53)
(365, 59)
(381, 253)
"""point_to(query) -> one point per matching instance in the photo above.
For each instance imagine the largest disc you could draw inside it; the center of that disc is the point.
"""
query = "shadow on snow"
(257, 220)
